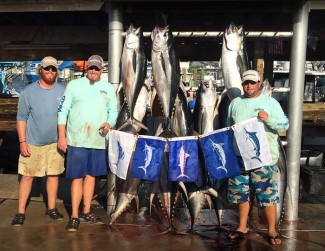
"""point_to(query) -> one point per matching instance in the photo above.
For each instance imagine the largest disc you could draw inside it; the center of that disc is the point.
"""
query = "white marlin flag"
(252, 143)
(120, 147)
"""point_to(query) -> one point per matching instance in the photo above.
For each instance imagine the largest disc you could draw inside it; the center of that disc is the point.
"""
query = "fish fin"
(182, 185)
(208, 198)
(213, 192)
(132, 122)
(137, 201)
(191, 196)
(152, 195)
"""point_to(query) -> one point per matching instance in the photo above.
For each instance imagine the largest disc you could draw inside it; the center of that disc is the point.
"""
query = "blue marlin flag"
(219, 154)
(147, 158)
(183, 159)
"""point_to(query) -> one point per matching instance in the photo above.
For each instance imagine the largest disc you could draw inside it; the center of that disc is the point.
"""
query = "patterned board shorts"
(43, 160)
(262, 180)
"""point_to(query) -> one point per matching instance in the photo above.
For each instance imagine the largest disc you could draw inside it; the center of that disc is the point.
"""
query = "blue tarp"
(66, 64)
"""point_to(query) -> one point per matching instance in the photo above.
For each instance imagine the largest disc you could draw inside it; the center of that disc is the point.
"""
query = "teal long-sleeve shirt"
(241, 109)
(84, 107)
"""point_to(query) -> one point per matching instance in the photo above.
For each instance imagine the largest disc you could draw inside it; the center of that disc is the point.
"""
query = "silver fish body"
(128, 190)
(138, 113)
(182, 122)
(165, 68)
(111, 193)
(133, 68)
(234, 60)
(205, 109)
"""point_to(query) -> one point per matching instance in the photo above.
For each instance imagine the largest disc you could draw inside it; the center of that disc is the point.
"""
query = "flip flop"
(236, 235)
(273, 240)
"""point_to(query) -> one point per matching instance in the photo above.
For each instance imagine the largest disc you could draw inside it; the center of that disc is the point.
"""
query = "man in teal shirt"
(262, 180)
(87, 111)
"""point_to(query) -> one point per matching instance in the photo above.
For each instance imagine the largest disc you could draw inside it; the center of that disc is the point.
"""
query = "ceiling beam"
(43, 5)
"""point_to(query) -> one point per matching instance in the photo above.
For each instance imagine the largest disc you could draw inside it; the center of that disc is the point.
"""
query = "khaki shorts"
(43, 160)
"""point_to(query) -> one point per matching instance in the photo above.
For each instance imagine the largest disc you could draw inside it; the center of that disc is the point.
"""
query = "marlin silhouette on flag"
(222, 156)
(251, 136)
(148, 153)
(182, 162)
(121, 153)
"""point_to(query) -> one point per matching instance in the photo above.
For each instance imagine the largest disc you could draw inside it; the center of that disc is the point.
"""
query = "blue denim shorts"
(86, 161)
(263, 181)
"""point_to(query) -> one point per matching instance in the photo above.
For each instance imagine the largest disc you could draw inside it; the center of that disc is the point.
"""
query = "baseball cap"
(49, 61)
(96, 60)
(251, 75)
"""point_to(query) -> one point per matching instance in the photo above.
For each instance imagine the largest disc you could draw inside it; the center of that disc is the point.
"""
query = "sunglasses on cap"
(47, 68)
(94, 68)
(249, 82)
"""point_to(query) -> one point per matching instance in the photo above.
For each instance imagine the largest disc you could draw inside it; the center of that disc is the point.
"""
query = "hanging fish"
(133, 71)
(165, 69)
(205, 109)
(234, 60)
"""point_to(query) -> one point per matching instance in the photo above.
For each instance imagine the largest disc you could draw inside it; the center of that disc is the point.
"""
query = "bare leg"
(25, 186)
(243, 218)
(76, 195)
(270, 213)
(52, 185)
(88, 192)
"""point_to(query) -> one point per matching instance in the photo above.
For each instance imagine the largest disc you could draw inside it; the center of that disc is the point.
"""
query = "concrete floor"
(138, 232)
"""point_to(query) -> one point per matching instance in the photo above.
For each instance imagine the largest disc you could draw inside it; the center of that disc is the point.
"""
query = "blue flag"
(219, 154)
(147, 158)
(183, 159)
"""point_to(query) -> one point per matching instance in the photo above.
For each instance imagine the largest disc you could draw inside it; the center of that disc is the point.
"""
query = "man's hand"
(104, 128)
(263, 115)
(62, 144)
(24, 149)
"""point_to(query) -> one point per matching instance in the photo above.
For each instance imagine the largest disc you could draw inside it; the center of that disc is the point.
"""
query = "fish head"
(133, 36)
(160, 37)
(234, 37)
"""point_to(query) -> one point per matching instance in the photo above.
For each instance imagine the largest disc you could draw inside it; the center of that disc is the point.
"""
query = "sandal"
(275, 240)
(89, 217)
(236, 235)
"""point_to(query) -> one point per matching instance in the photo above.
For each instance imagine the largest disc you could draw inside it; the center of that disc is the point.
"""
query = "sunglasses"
(50, 68)
(249, 82)
(94, 68)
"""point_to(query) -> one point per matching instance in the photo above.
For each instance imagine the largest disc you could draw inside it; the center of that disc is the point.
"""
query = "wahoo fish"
(234, 60)
(255, 142)
(205, 109)
(133, 70)
(165, 69)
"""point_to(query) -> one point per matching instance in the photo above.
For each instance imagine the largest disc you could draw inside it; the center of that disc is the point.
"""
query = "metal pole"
(115, 40)
(297, 77)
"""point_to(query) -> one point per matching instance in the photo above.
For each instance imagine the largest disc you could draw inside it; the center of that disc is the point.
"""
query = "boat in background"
(30, 71)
